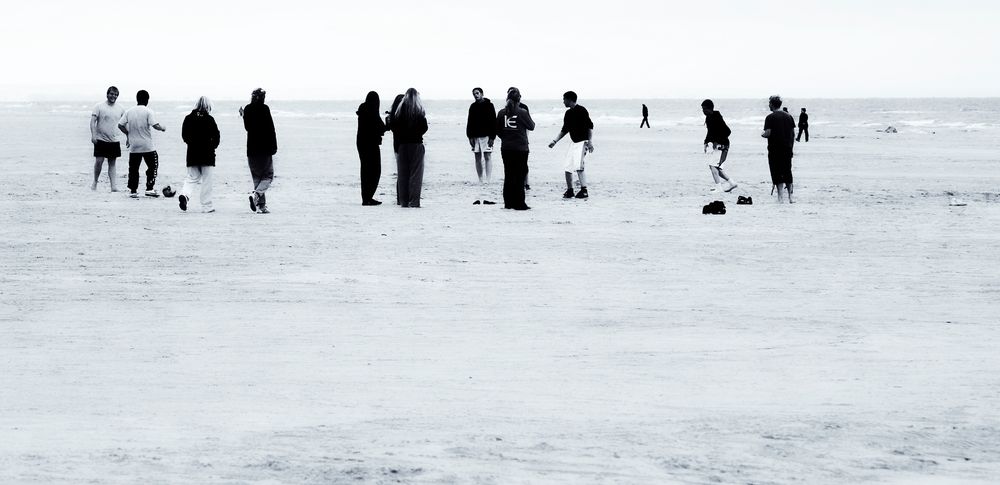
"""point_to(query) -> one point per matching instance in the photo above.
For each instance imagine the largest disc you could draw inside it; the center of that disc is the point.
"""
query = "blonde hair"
(410, 107)
(204, 104)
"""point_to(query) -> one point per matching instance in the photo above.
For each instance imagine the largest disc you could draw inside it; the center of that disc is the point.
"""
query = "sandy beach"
(848, 338)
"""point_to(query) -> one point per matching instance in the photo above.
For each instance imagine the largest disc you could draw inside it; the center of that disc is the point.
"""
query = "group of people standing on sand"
(407, 121)
(201, 135)
(779, 129)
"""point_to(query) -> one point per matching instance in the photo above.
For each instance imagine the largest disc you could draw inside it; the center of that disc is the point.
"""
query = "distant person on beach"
(578, 124)
(481, 132)
(718, 137)
(512, 125)
(779, 129)
(645, 117)
(389, 115)
(201, 134)
(104, 137)
(137, 123)
(370, 131)
(409, 124)
(803, 126)
(262, 145)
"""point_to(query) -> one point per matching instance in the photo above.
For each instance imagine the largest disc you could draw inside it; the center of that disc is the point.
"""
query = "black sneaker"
(476, 203)
(183, 201)
(582, 194)
(253, 202)
(568, 194)
(521, 208)
(489, 202)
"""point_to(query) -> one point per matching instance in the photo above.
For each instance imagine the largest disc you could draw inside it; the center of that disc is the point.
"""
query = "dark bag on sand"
(714, 207)
(744, 200)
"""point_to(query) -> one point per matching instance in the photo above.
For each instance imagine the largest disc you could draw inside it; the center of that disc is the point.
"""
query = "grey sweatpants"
(262, 172)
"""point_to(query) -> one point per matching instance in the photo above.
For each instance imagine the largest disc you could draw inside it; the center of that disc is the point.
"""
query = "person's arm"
(767, 128)
(272, 133)
(186, 130)
(526, 120)
(93, 128)
(216, 136)
(468, 125)
(493, 132)
(589, 143)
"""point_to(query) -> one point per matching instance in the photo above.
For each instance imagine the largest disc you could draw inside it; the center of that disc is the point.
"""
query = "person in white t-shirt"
(137, 123)
(104, 137)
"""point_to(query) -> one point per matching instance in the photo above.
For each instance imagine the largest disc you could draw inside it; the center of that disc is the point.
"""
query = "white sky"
(176, 49)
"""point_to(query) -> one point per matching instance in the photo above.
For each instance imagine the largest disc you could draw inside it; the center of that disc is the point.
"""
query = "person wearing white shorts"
(716, 139)
(577, 123)
(481, 131)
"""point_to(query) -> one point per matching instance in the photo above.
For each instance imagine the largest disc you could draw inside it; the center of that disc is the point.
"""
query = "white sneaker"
(134, 195)
(731, 187)
(152, 193)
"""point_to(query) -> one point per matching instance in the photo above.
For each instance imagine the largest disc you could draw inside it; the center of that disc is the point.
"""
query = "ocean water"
(831, 116)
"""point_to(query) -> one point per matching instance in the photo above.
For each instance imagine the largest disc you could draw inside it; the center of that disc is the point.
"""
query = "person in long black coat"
(370, 131)
(409, 124)
(201, 134)
(262, 145)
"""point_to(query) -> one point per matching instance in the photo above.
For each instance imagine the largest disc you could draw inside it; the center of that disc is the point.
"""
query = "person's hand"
(93, 140)
(552, 144)
(706, 148)
(472, 143)
(241, 111)
(765, 133)
(127, 144)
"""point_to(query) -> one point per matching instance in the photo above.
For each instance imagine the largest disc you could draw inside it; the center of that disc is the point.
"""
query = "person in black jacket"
(409, 123)
(512, 125)
(481, 133)
(718, 137)
(201, 134)
(261, 147)
(645, 117)
(803, 126)
(370, 131)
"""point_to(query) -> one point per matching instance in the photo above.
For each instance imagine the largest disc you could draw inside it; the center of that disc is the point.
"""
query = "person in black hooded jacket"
(717, 135)
(261, 147)
(370, 131)
(201, 134)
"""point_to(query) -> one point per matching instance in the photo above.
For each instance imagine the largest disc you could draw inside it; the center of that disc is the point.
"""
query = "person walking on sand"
(645, 117)
(779, 129)
(523, 106)
(803, 126)
(262, 145)
(512, 125)
(481, 132)
(718, 137)
(370, 131)
(137, 123)
(201, 134)
(577, 123)
(409, 124)
(104, 137)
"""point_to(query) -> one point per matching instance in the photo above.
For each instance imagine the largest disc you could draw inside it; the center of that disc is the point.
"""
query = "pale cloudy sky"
(61, 49)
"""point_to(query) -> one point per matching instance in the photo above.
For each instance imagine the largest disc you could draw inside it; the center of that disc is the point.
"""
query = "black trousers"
(803, 129)
(410, 173)
(152, 164)
(371, 170)
(645, 121)
(515, 169)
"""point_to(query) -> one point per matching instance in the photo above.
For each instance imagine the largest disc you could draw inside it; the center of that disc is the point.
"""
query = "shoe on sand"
(263, 210)
(183, 201)
(568, 194)
(731, 187)
(253, 202)
(489, 202)
(134, 195)
(582, 194)
(477, 202)
(152, 193)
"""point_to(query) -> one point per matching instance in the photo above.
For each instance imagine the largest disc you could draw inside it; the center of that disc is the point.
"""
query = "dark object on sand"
(744, 200)
(714, 207)
(168, 191)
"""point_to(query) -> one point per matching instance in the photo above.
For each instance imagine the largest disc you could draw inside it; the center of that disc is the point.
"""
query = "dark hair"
(371, 103)
(774, 101)
(142, 97)
(478, 89)
(257, 96)
(708, 104)
(112, 88)
(513, 98)
(570, 95)
(803, 109)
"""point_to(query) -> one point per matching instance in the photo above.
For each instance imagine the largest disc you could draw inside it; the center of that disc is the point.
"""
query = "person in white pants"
(201, 134)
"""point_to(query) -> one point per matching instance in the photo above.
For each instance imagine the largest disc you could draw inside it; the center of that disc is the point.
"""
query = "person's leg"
(113, 174)
(520, 169)
(206, 188)
(715, 173)
(403, 162)
(583, 178)
(184, 195)
(134, 159)
(569, 185)
(152, 165)
(376, 171)
(508, 179)
(807, 134)
(364, 155)
(479, 166)
(781, 191)
(799, 136)
(416, 174)
(488, 167)
(98, 166)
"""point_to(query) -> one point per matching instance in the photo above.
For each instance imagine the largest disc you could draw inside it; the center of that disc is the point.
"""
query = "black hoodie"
(201, 134)
(482, 119)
